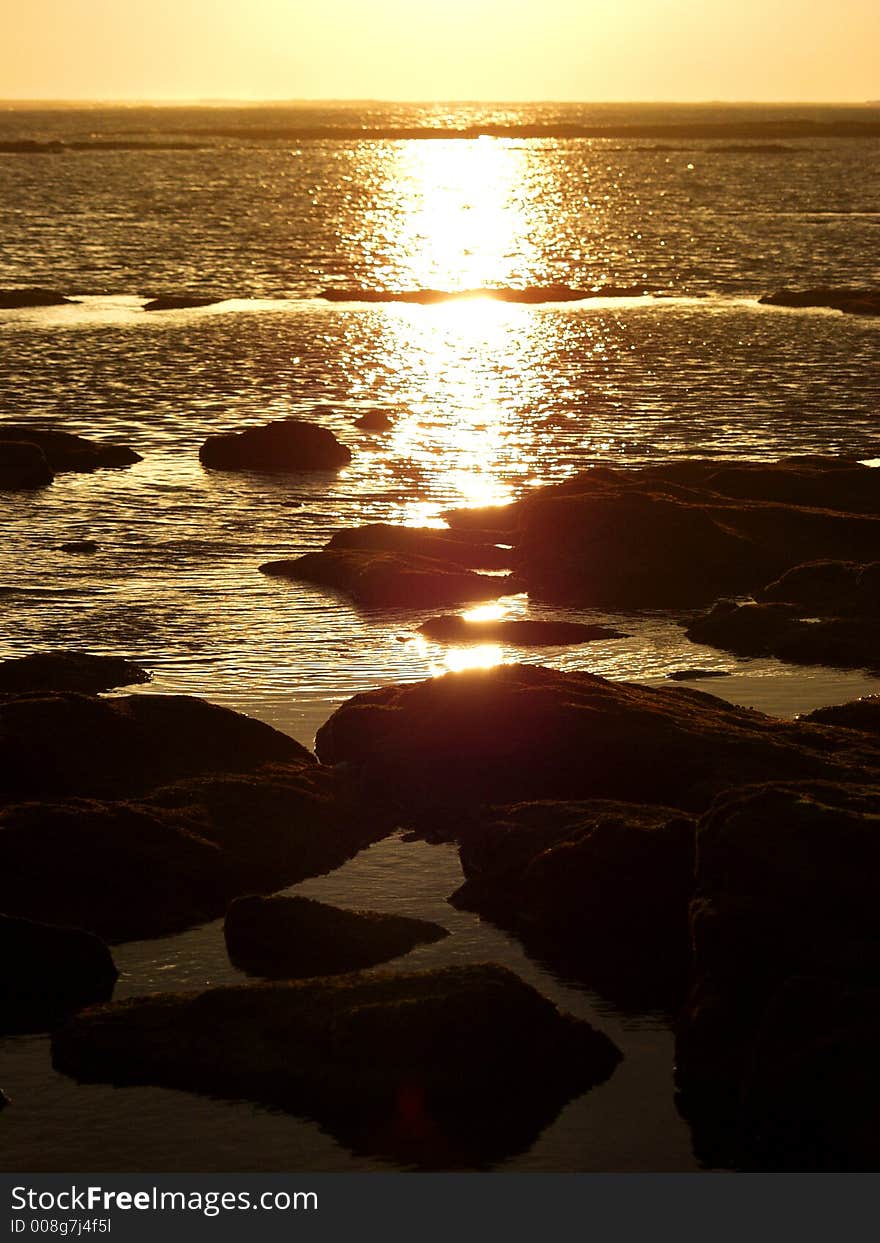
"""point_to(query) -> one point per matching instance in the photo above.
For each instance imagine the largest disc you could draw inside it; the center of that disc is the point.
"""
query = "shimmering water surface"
(488, 400)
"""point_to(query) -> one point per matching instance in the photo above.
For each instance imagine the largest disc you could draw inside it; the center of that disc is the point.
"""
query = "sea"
(692, 211)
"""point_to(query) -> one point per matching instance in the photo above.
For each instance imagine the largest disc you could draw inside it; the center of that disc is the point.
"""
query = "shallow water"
(488, 400)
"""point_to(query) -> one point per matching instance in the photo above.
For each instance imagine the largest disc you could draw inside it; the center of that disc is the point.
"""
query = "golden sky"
(441, 49)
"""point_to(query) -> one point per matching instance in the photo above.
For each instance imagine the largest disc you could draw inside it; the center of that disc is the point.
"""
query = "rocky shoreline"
(673, 850)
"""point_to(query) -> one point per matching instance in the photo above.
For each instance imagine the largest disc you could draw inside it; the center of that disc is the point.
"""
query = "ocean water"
(704, 209)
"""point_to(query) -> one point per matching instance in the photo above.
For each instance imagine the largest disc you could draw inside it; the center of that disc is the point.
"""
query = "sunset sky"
(440, 49)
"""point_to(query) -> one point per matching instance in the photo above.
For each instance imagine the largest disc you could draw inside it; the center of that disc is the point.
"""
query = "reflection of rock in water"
(451, 1068)
(292, 937)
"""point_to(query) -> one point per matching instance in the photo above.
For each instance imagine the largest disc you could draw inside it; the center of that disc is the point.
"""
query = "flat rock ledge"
(64, 451)
(68, 671)
(284, 446)
(520, 632)
(852, 301)
(377, 579)
(514, 733)
(456, 1066)
(684, 533)
(294, 937)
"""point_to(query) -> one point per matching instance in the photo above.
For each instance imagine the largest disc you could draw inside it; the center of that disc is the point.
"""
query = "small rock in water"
(374, 421)
(286, 445)
(294, 937)
(79, 545)
(693, 675)
(23, 466)
(48, 970)
(80, 672)
(179, 302)
(13, 299)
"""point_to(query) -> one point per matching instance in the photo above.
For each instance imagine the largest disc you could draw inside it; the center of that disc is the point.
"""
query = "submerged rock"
(602, 887)
(775, 1050)
(522, 732)
(66, 452)
(140, 815)
(48, 970)
(530, 295)
(292, 937)
(79, 545)
(696, 675)
(853, 301)
(377, 579)
(179, 302)
(287, 445)
(69, 671)
(522, 632)
(450, 547)
(444, 1068)
(13, 299)
(23, 466)
(374, 421)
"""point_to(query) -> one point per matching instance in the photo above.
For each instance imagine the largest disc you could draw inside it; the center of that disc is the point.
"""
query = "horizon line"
(244, 101)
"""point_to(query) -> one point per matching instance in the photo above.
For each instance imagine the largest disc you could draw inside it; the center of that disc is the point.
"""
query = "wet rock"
(377, 579)
(13, 299)
(69, 671)
(374, 421)
(859, 714)
(79, 545)
(179, 302)
(66, 452)
(293, 937)
(138, 816)
(830, 588)
(521, 732)
(530, 295)
(450, 547)
(417, 1067)
(602, 887)
(786, 985)
(683, 533)
(696, 675)
(522, 632)
(853, 301)
(23, 466)
(47, 970)
(287, 445)
(781, 630)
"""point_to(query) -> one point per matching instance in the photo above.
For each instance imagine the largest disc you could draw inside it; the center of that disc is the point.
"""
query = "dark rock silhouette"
(859, 714)
(135, 816)
(79, 546)
(781, 630)
(69, 671)
(23, 467)
(685, 532)
(287, 445)
(775, 1045)
(522, 632)
(417, 1067)
(532, 294)
(830, 588)
(13, 299)
(602, 886)
(377, 579)
(851, 301)
(451, 547)
(696, 675)
(48, 970)
(179, 302)
(64, 451)
(292, 937)
(522, 732)
(374, 421)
